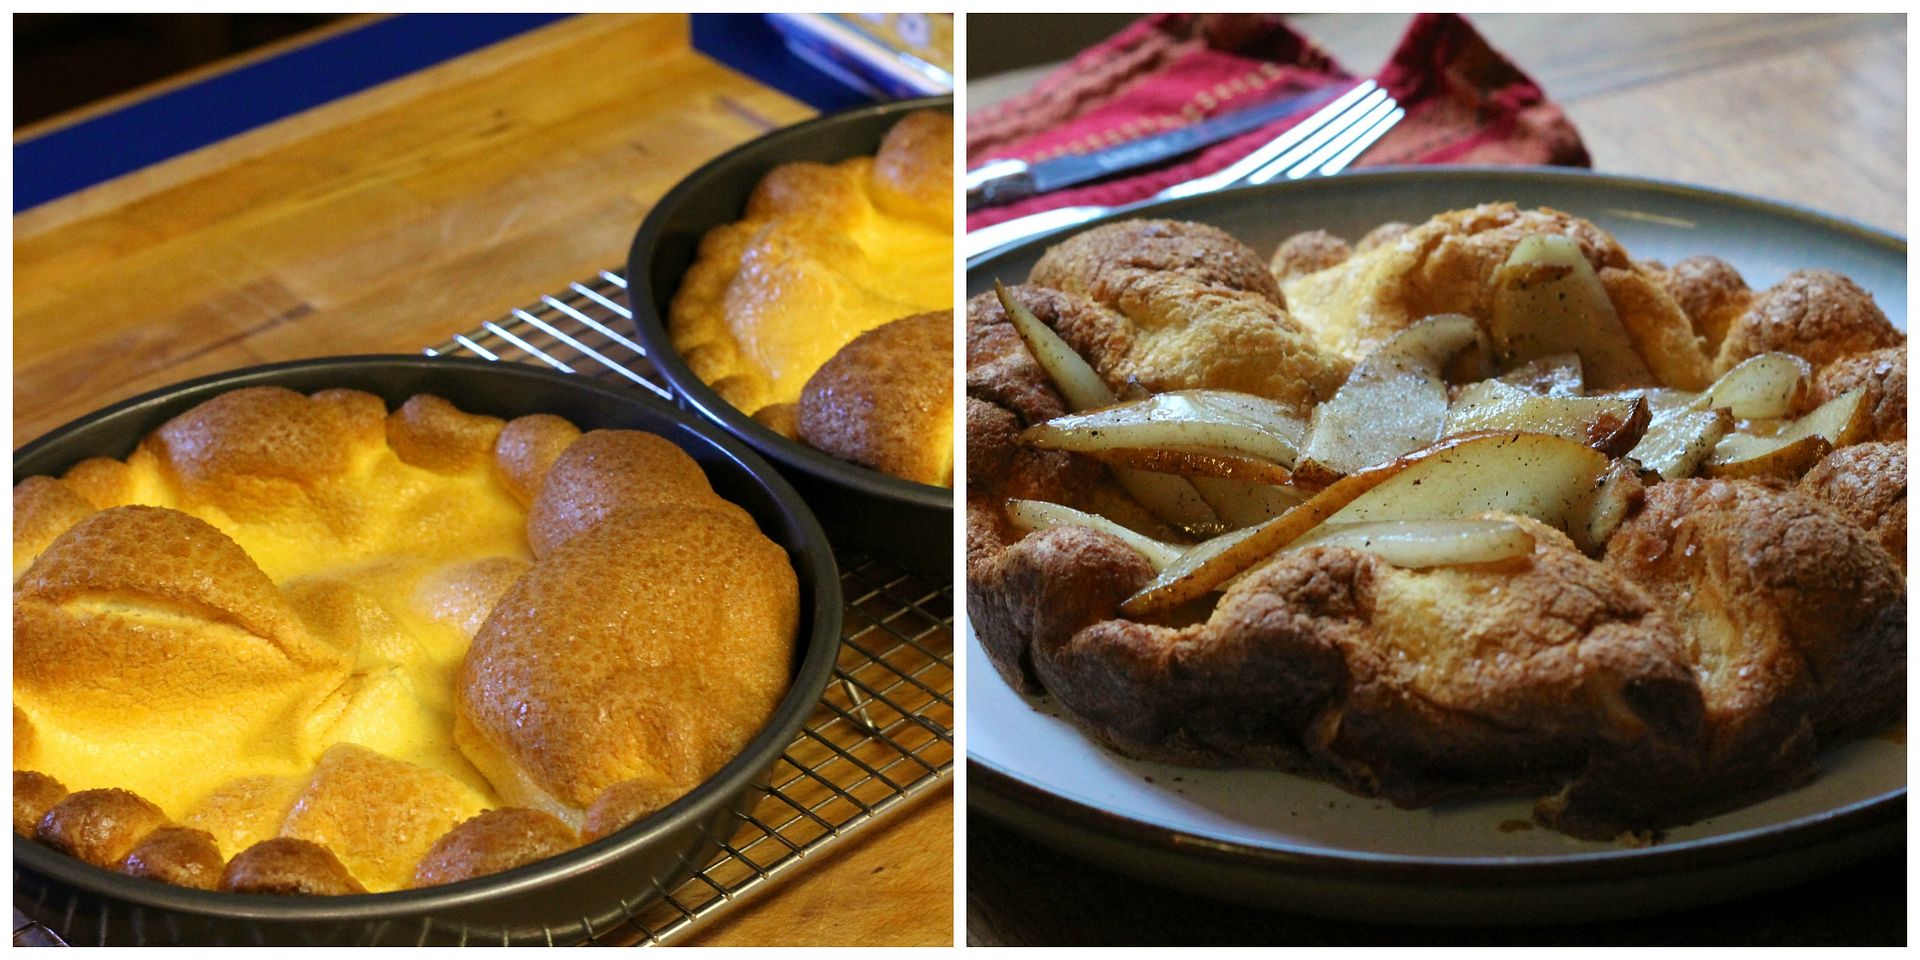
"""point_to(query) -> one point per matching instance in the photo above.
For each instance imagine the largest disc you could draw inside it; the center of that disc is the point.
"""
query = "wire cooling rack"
(882, 734)
(884, 731)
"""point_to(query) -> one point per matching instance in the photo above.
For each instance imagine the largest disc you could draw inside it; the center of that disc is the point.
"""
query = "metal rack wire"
(881, 735)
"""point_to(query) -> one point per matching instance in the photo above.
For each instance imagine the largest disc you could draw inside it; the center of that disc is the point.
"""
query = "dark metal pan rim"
(653, 333)
(822, 636)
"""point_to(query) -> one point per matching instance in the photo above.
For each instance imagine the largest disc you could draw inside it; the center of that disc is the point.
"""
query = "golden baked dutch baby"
(830, 258)
(302, 644)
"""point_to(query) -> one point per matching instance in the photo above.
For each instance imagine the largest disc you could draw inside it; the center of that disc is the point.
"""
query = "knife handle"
(998, 182)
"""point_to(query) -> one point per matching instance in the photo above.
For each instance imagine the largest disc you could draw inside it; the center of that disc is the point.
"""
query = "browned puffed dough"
(494, 841)
(1867, 484)
(624, 803)
(1710, 292)
(1883, 373)
(99, 826)
(1305, 253)
(286, 866)
(1818, 314)
(527, 448)
(182, 856)
(1382, 235)
(34, 794)
(432, 434)
(607, 472)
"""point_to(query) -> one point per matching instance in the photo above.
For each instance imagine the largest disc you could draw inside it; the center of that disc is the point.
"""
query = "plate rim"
(1894, 242)
(1064, 812)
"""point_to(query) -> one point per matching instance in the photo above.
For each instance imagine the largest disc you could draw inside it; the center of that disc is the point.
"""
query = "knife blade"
(1005, 181)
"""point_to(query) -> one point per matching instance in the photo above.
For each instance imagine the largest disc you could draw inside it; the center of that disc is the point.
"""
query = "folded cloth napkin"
(1465, 101)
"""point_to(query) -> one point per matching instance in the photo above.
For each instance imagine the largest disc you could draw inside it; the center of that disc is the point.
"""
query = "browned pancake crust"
(286, 866)
(1201, 310)
(1794, 618)
(1883, 373)
(34, 794)
(182, 856)
(1817, 314)
(1305, 253)
(885, 401)
(549, 696)
(1710, 292)
(1867, 484)
(99, 826)
(491, 842)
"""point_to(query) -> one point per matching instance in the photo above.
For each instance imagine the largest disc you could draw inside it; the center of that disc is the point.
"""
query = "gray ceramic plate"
(1298, 844)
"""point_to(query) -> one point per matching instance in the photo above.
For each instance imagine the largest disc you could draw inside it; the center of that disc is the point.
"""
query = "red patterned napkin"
(1465, 102)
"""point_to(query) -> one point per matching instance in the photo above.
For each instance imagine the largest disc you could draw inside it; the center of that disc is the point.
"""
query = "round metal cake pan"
(908, 522)
(564, 899)
(1297, 844)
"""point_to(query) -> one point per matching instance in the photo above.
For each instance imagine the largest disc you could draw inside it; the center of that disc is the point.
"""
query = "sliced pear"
(1167, 497)
(1744, 455)
(1548, 300)
(1035, 515)
(1426, 543)
(1170, 498)
(1794, 447)
(1611, 425)
(1213, 562)
(1763, 387)
(1548, 478)
(1394, 401)
(1554, 375)
(1195, 462)
(1665, 402)
(1677, 444)
(1209, 564)
(1612, 499)
(1069, 371)
(1243, 503)
(1195, 421)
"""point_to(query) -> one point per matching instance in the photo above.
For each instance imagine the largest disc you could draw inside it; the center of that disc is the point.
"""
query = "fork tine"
(1333, 148)
(1359, 146)
(1232, 173)
(1311, 145)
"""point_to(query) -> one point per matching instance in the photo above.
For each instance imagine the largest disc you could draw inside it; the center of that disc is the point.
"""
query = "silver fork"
(1321, 145)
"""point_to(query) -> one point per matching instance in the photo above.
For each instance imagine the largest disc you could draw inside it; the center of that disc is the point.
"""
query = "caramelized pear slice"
(1426, 543)
(1554, 375)
(1194, 421)
(1036, 515)
(1551, 479)
(1611, 425)
(1245, 503)
(1677, 444)
(1796, 446)
(1393, 402)
(1070, 372)
(1213, 562)
(1618, 490)
(1547, 300)
(1167, 497)
(1195, 462)
(1764, 387)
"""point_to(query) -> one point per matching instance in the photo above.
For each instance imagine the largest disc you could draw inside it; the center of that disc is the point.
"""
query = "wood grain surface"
(1810, 110)
(385, 222)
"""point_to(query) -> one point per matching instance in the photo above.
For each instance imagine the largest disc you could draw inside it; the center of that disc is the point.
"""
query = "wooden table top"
(391, 219)
(1810, 110)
